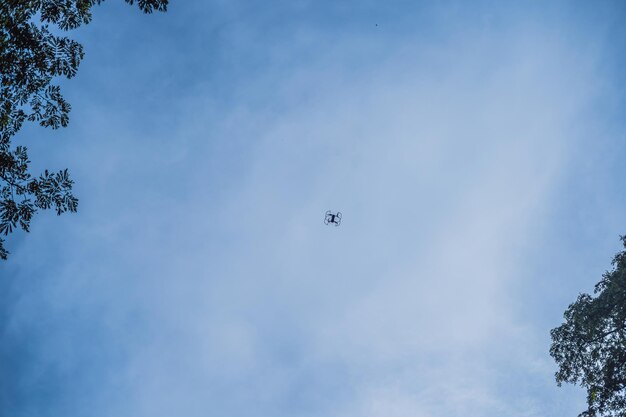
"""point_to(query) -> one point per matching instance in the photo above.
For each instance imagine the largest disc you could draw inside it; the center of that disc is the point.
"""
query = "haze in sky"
(475, 150)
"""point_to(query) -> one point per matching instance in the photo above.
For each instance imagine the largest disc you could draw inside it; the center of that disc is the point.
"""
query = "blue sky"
(475, 152)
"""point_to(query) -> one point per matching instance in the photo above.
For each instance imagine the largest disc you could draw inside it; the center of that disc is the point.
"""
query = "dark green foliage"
(31, 58)
(590, 347)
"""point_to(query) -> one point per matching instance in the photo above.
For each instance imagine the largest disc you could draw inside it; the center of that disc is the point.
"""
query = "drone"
(332, 218)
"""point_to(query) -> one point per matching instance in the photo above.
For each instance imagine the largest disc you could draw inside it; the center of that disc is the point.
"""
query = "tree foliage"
(32, 57)
(590, 347)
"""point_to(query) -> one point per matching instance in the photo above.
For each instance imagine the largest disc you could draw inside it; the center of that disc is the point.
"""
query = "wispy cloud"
(198, 277)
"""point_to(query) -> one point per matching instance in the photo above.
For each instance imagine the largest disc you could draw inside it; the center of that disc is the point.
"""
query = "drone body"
(332, 218)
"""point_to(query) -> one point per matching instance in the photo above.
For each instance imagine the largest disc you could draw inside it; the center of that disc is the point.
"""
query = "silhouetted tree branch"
(31, 58)
(590, 347)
